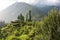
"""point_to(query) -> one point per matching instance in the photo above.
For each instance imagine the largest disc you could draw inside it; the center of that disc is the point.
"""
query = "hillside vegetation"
(46, 29)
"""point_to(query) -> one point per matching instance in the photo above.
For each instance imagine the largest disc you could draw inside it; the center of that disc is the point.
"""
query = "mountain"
(45, 9)
(2, 23)
(12, 12)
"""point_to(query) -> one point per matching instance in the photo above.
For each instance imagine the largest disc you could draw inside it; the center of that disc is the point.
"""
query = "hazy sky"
(5, 3)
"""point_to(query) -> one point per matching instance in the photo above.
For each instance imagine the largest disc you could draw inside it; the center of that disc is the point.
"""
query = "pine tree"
(29, 16)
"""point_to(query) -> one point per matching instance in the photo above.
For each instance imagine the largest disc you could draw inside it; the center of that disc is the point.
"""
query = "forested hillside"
(48, 28)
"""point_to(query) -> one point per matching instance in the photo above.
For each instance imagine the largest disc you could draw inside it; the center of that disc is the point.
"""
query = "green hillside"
(46, 29)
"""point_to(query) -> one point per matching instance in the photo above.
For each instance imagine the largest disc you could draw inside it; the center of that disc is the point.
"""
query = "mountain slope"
(14, 10)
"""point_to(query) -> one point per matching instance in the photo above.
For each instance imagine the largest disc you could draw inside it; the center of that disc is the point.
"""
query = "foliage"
(46, 29)
(21, 18)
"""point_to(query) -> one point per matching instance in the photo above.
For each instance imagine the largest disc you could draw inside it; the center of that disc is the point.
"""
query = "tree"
(29, 16)
(21, 18)
(26, 17)
(52, 23)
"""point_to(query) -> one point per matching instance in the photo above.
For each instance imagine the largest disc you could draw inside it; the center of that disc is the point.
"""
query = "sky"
(5, 3)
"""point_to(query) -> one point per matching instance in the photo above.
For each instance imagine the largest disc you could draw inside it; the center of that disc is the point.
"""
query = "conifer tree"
(30, 16)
